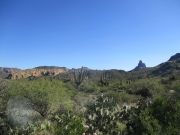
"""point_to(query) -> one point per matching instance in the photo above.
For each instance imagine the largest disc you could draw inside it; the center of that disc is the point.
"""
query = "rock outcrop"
(35, 72)
(141, 65)
(20, 112)
(4, 72)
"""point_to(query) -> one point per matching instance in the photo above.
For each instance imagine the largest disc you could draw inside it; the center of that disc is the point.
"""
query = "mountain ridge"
(171, 66)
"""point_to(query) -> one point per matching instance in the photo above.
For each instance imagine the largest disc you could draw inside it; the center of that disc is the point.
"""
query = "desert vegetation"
(86, 102)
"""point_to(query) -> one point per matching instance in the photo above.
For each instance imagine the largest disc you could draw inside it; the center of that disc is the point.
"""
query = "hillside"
(11, 73)
(171, 67)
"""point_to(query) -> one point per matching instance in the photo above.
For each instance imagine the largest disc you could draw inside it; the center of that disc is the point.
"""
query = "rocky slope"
(167, 68)
(11, 73)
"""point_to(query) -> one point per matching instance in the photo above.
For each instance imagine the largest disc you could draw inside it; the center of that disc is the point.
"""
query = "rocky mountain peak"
(175, 57)
(141, 65)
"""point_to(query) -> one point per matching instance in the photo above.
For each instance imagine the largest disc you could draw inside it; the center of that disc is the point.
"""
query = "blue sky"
(100, 34)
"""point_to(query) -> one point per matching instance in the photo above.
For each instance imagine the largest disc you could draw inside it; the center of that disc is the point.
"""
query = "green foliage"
(3, 94)
(65, 77)
(44, 91)
(160, 117)
(118, 86)
(150, 116)
(175, 85)
(44, 128)
(123, 97)
(103, 117)
(68, 124)
(153, 84)
(149, 125)
(89, 87)
(167, 112)
(4, 127)
(65, 123)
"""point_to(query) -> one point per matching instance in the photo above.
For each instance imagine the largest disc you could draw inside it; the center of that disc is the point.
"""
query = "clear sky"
(100, 34)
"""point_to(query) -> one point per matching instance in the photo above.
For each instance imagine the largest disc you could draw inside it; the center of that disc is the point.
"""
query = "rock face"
(4, 72)
(175, 57)
(35, 72)
(141, 65)
(20, 112)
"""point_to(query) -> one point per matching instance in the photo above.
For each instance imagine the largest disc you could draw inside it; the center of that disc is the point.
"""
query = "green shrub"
(89, 87)
(103, 117)
(47, 92)
(3, 94)
(175, 85)
(64, 123)
(67, 123)
(153, 86)
(122, 97)
(160, 117)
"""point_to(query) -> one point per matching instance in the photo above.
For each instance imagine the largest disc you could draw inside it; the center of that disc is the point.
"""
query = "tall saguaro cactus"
(105, 78)
(79, 75)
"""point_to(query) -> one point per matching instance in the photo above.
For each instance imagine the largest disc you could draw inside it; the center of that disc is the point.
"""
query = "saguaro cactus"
(105, 78)
(79, 75)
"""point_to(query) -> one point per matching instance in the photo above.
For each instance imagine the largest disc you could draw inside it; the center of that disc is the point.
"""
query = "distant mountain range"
(172, 66)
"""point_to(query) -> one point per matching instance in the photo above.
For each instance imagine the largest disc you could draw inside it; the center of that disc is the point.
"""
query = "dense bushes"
(89, 87)
(106, 117)
(47, 93)
(103, 117)
(146, 118)
(3, 94)
(144, 114)
(153, 85)
(150, 87)
(123, 97)
(67, 123)
(160, 117)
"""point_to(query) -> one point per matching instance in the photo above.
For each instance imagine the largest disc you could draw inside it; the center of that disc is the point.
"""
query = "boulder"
(20, 112)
